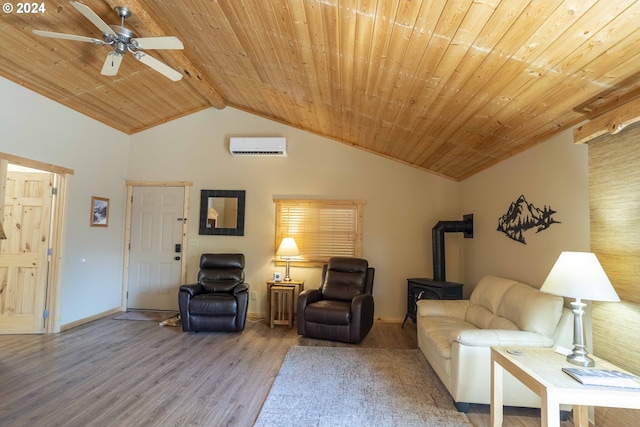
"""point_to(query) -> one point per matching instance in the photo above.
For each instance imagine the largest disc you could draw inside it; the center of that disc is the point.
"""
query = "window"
(322, 228)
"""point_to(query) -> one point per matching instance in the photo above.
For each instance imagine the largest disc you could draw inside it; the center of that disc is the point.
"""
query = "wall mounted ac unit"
(258, 146)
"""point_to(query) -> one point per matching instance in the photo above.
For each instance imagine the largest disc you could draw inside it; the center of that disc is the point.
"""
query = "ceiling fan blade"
(167, 42)
(95, 19)
(160, 67)
(67, 37)
(112, 64)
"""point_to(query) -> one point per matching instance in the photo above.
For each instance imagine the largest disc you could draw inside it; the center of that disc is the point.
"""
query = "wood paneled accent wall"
(614, 199)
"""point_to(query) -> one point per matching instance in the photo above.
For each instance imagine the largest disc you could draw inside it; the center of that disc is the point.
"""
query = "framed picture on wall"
(99, 212)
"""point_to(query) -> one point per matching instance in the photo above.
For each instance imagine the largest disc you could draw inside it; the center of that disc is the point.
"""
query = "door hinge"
(45, 314)
(54, 191)
(50, 251)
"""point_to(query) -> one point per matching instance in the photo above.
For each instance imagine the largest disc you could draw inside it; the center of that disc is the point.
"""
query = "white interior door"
(24, 254)
(154, 261)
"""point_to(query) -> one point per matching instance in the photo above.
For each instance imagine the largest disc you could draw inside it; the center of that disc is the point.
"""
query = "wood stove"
(438, 287)
(423, 288)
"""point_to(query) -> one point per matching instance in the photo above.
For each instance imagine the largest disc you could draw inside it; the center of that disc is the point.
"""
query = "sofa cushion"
(530, 309)
(489, 292)
(439, 331)
(484, 319)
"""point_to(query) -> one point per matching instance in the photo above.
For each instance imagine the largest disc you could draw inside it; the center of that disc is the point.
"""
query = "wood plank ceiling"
(451, 87)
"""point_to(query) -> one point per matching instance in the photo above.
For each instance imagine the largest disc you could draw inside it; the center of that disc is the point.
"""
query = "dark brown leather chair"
(342, 308)
(218, 302)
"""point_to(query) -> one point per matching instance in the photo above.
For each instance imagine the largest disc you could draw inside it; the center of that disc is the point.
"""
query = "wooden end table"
(297, 287)
(540, 369)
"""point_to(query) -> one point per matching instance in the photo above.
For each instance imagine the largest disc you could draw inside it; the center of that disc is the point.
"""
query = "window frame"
(280, 233)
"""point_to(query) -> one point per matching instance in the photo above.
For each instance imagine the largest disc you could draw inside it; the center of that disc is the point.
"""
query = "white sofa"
(456, 335)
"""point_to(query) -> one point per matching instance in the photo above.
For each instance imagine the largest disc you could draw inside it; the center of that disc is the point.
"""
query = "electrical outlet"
(193, 242)
(254, 295)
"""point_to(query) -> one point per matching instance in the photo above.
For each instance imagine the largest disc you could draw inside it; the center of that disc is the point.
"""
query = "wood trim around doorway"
(127, 229)
(52, 303)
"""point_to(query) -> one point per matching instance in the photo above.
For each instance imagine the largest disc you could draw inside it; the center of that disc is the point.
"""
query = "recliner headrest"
(221, 261)
(348, 265)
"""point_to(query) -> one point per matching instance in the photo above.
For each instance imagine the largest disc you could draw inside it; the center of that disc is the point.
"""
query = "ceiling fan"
(122, 40)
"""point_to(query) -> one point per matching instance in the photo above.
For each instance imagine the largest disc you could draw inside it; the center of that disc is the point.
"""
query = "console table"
(423, 288)
(540, 369)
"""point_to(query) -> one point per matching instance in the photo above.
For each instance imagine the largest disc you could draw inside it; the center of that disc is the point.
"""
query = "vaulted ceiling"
(451, 87)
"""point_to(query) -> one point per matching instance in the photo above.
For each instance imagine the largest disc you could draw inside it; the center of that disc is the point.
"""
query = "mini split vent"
(258, 146)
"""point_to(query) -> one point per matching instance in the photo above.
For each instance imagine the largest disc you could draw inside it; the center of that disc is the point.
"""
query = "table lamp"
(287, 250)
(579, 275)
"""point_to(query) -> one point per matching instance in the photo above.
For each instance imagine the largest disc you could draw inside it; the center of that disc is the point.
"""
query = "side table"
(540, 369)
(284, 311)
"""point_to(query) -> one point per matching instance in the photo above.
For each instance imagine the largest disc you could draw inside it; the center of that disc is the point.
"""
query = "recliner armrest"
(193, 289)
(309, 296)
(499, 338)
(241, 287)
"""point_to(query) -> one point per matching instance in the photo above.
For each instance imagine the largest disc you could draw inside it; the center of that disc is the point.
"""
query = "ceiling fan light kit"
(121, 40)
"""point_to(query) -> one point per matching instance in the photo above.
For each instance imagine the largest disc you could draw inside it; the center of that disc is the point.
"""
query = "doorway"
(31, 206)
(155, 243)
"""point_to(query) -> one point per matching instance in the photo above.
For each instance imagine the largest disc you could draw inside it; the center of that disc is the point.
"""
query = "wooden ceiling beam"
(591, 110)
(176, 58)
(611, 122)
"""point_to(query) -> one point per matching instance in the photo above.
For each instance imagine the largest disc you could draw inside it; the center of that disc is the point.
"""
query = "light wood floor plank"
(136, 373)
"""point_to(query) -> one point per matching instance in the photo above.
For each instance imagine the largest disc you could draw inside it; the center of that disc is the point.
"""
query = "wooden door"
(24, 254)
(155, 265)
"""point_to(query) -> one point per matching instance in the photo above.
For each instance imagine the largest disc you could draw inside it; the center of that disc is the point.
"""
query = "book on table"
(604, 377)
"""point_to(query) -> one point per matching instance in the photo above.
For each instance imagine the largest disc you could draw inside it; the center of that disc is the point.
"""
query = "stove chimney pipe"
(437, 240)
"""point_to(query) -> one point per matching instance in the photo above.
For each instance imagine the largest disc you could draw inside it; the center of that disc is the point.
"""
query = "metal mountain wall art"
(522, 216)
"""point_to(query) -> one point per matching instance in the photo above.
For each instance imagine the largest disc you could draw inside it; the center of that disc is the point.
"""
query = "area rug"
(156, 316)
(338, 386)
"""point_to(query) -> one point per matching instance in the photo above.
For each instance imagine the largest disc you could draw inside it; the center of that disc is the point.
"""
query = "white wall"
(402, 203)
(553, 173)
(40, 129)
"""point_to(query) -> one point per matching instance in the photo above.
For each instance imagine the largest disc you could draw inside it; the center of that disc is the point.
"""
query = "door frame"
(52, 303)
(127, 230)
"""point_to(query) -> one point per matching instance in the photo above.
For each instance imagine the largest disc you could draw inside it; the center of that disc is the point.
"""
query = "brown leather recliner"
(342, 308)
(218, 302)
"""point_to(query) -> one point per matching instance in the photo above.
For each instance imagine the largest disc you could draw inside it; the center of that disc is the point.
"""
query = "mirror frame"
(204, 205)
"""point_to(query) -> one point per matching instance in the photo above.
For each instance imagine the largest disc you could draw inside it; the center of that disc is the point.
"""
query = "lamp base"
(579, 355)
(287, 278)
(581, 360)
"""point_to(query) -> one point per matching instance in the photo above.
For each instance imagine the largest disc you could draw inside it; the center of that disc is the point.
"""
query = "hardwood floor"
(136, 373)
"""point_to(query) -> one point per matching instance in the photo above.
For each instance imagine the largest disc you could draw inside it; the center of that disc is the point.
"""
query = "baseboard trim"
(81, 322)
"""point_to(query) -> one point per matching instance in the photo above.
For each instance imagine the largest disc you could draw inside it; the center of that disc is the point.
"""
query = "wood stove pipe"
(437, 240)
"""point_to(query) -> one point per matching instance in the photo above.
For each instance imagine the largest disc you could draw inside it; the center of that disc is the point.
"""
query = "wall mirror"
(222, 212)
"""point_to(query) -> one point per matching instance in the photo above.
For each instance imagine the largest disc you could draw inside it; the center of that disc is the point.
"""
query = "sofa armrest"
(442, 308)
(499, 338)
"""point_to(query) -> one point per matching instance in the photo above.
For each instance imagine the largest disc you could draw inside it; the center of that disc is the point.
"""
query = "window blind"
(322, 228)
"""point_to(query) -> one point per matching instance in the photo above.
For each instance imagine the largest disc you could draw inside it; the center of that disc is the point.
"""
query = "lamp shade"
(579, 275)
(288, 248)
